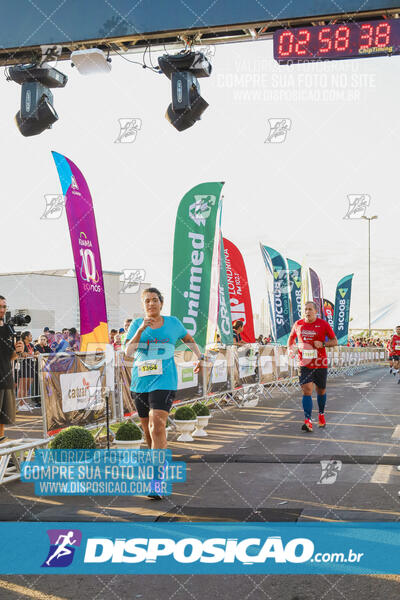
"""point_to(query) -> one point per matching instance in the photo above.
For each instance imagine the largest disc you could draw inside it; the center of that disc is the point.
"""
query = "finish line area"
(257, 465)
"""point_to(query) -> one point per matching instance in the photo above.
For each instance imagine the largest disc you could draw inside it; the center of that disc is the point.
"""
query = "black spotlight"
(37, 112)
(183, 69)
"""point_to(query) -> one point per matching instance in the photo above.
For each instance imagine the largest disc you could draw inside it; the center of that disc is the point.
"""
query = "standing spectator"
(8, 353)
(73, 340)
(117, 342)
(60, 344)
(127, 324)
(42, 346)
(237, 330)
(113, 333)
(27, 370)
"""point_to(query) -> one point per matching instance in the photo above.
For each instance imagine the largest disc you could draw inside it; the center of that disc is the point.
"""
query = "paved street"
(256, 465)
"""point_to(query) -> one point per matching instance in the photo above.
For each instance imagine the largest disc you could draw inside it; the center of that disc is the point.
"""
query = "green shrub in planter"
(128, 432)
(201, 410)
(73, 438)
(185, 413)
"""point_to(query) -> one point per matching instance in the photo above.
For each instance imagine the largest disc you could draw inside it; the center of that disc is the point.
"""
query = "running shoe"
(321, 420)
(307, 426)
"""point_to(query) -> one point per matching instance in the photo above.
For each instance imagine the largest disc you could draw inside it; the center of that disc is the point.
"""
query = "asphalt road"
(256, 465)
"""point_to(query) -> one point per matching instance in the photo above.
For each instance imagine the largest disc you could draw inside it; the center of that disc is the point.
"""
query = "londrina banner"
(317, 294)
(85, 248)
(239, 292)
(342, 309)
(196, 261)
(277, 267)
(295, 288)
(224, 308)
(329, 311)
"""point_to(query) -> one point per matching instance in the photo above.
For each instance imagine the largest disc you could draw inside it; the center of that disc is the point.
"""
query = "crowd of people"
(368, 342)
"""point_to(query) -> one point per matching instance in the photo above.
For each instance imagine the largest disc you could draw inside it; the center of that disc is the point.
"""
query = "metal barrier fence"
(232, 376)
(26, 380)
(228, 371)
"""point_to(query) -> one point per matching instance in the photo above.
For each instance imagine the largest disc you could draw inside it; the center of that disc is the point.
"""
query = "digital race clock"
(352, 40)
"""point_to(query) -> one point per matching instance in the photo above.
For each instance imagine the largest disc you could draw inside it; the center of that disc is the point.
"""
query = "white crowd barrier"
(232, 376)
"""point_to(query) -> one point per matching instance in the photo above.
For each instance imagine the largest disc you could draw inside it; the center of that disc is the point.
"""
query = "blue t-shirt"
(154, 365)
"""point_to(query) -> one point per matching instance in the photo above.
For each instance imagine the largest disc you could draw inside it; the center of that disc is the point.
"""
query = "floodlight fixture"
(183, 69)
(37, 112)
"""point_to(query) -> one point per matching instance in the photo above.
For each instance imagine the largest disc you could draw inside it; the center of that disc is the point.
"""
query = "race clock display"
(340, 41)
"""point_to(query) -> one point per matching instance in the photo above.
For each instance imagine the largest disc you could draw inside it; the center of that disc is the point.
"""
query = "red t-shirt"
(395, 345)
(307, 334)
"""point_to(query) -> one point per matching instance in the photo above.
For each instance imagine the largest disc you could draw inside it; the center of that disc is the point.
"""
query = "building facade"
(51, 298)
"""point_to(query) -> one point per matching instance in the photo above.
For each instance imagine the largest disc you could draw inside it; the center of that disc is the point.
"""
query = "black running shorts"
(157, 399)
(317, 376)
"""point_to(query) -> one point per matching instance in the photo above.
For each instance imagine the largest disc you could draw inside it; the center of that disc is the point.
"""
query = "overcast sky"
(344, 139)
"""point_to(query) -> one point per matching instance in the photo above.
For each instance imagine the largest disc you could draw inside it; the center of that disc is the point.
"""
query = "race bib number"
(397, 347)
(309, 353)
(149, 367)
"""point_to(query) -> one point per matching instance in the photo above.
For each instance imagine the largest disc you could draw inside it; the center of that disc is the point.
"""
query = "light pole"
(369, 219)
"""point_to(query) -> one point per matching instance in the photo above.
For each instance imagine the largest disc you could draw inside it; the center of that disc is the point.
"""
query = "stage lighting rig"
(37, 112)
(183, 69)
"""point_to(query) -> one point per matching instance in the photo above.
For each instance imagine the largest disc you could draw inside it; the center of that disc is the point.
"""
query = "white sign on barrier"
(219, 372)
(186, 376)
(81, 391)
(247, 366)
(266, 364)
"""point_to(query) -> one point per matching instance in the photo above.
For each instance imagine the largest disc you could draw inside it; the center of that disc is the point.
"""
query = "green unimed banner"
(196, 262)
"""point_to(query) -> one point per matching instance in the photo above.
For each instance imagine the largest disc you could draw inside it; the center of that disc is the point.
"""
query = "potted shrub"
(203, 416)
(128, 435)
(185, 420)
(168, 428)
(73, 438)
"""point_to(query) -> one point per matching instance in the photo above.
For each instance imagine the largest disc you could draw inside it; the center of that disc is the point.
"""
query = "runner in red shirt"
(394, 351)
(311, 333)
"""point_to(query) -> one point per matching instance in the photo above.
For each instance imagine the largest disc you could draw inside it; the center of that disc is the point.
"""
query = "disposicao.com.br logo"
(212, 550)
(62, 547)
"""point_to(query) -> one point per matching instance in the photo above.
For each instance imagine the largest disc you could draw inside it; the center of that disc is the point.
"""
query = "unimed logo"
(192, 550)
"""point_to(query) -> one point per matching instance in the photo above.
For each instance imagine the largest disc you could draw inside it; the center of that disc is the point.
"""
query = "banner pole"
(108, 418)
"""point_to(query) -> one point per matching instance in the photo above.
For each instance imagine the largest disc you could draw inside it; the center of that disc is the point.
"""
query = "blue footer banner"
(212, 548)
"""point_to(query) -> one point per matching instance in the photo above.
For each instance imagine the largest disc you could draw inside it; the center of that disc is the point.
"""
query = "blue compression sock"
(321, 399)
(307, 406)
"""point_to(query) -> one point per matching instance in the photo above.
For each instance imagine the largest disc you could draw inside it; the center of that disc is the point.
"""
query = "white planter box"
(128, 444)
(185, 428)
(202, 422)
